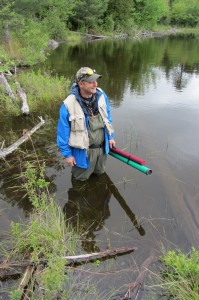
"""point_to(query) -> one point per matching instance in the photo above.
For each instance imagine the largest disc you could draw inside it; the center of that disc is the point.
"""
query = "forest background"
(28, 25)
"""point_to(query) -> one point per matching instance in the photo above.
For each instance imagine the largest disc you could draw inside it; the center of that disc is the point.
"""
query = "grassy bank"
(45, 237)
(42, 90)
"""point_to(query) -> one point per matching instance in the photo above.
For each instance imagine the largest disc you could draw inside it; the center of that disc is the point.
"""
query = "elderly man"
(85, 132)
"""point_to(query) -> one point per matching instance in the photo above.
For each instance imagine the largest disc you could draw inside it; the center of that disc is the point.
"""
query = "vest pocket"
(77, 123)
(78, 140)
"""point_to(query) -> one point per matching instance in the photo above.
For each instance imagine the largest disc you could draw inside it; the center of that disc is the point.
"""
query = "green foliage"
(31, 40)
(36, 187)
(97, 263)
(15, 295)
(55, 26)
(16, 229)
(181, 274)
(121, 13)
(109, 23)
(26, 26)
(54, 276)
(147, 13)
(56, 18)
(89, 14)
(185, 13)
(6, 63)
(8, 14)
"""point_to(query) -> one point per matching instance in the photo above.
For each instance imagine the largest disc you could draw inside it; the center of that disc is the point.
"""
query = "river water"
(153, 88)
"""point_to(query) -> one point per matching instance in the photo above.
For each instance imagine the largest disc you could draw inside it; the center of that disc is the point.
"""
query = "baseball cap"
(87, 74)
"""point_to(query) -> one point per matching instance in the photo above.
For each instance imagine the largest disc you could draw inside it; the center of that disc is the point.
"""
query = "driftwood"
(22, 95)
(8, 267)
(24, 138)
(134, 288)
(5, 83)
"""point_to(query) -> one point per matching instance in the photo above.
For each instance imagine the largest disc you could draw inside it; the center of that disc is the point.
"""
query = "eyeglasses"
(88, 73)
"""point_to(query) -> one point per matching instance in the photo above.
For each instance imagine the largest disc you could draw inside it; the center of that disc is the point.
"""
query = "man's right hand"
(70, 161)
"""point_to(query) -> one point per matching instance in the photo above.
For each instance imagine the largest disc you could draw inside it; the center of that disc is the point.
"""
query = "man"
(85, 132)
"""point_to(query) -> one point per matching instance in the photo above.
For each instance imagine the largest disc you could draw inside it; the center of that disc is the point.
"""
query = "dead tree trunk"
(5, 83)
(24, 108)
(6, 34)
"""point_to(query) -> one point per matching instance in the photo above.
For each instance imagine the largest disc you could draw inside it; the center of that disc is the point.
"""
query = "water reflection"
(88, 208)
(131, 63)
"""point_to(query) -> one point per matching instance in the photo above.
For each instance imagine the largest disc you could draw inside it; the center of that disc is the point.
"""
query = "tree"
(121, 13)
(8, 18)
(53, 14)
(88, 14)
(147, 13)
(185, 12)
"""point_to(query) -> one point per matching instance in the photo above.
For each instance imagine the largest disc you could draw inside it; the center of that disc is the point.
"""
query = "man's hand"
(111, 143)
(70, 161)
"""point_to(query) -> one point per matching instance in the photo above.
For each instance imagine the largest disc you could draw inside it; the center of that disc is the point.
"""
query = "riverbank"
(157, 32)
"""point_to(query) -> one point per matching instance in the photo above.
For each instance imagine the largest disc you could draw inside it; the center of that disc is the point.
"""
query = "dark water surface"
(153, 87)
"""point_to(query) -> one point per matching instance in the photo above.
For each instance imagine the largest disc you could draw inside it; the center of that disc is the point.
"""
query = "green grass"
(43, 92)
(42, 89)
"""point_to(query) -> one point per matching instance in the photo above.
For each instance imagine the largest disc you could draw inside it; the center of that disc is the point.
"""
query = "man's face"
(87, 89)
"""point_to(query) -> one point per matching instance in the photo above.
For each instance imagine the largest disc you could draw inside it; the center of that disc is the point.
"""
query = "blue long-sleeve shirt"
(63, 130)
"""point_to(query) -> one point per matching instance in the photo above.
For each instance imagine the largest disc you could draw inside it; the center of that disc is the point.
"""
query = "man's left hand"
(111, 143)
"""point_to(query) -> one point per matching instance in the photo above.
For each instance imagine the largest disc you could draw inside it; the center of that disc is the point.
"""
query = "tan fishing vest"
(79, 133)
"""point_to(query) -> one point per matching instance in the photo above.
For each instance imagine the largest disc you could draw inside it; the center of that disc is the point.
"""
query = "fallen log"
(5, 83)
(22, 95)
(92, 256)
(70, 260)
(24, 138)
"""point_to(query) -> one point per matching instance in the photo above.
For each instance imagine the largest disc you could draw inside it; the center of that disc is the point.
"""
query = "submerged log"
(7, 267)
(134, 288)
(5, 83)
(25, 137)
